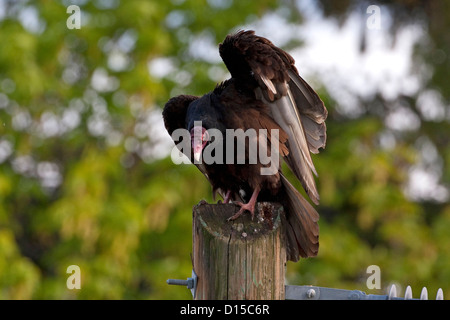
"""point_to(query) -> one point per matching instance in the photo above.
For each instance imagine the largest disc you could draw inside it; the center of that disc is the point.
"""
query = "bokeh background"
(86, 176)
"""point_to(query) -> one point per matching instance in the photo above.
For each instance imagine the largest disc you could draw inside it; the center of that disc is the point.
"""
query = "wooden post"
(241, 259)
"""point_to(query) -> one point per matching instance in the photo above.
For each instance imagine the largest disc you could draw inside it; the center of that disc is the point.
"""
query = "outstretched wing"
(294, 105)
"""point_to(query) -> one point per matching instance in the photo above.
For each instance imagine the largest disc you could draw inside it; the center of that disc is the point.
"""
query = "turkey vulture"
(265, 93)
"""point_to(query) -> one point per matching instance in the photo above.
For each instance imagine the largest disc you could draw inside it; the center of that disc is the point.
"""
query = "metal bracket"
(321, 293)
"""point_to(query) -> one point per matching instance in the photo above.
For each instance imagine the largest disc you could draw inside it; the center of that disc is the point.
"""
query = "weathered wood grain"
(241, 259)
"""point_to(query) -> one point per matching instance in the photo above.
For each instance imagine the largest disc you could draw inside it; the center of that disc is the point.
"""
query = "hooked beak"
(197, 152)
(199, 139)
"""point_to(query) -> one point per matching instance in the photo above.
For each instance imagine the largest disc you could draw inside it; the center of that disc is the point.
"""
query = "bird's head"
(199, 139)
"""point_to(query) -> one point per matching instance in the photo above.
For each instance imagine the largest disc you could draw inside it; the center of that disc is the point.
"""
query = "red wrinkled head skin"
(199, 138)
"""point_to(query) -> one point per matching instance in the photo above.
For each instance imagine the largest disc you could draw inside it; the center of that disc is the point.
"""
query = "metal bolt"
(311, 293)
(189, 282)
(354, 295)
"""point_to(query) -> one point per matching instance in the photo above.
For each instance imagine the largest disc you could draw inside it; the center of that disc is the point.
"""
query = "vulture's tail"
(302, 228)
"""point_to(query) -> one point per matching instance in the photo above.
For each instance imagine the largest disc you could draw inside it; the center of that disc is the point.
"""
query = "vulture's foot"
(250, 206)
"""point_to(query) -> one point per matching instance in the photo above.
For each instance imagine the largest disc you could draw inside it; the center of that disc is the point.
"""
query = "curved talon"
(244, 206)
(250, 206)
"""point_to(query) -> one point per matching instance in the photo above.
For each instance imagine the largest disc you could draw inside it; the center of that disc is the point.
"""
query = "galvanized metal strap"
(322, 293)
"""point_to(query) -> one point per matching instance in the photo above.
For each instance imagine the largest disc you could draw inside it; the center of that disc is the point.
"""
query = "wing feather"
(294, 105)
(298, 158)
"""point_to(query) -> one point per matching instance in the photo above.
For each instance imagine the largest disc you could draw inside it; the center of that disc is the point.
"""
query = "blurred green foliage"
(83, 182)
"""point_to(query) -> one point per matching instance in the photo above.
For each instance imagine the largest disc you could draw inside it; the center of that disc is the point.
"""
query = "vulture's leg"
(249, 206)
(227, 197)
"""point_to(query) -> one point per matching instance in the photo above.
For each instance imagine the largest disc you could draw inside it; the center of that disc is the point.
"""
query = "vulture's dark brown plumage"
(265, 91)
